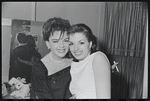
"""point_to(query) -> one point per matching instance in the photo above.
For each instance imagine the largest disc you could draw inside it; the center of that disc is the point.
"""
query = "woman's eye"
(66, 40)
(70, 44)
(55, 41)
(81, 42)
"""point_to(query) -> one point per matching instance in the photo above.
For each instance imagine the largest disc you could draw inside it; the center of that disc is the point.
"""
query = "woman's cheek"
(71, 49)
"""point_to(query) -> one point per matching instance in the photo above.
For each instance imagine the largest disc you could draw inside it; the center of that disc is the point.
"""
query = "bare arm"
(102, 75)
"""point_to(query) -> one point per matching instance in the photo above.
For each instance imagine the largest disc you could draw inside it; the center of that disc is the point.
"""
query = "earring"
(47, 44)
(48, 47)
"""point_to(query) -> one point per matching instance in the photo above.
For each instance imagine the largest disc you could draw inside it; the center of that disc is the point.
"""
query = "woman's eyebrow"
(79, 40)
(55, 39)
(82, 40)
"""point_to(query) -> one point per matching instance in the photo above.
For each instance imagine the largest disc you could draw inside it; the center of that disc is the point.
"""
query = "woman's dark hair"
(54, 24)
(21, 37)
(31, 41)
(82, 28)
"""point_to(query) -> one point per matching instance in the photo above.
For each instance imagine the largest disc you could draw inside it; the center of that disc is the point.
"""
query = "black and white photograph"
(74, 50)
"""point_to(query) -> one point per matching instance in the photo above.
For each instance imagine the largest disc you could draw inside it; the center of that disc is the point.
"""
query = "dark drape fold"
(124, 28)
(124, 42)
(129, 81)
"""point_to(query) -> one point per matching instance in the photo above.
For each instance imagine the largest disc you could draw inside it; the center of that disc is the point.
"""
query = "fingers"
(73, 96)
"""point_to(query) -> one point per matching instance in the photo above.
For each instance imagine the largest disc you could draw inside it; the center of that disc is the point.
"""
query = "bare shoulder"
(100, 56)
(100, 60)
(46, 58)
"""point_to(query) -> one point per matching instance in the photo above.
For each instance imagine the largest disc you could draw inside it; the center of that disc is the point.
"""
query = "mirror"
(33, 28)
(10, 27)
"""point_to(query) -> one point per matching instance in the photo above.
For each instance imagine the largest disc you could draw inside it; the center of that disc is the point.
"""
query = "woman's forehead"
(77, 35)
(59, 35)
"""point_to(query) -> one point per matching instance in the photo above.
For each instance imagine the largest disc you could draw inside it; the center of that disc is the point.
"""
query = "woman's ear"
(90, 44)
(47, 44)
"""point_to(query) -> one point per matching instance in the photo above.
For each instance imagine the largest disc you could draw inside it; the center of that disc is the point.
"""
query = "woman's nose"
(76, 47)
(61, 44)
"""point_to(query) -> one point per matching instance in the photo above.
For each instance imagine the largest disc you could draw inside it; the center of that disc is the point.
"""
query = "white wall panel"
(75, 12)
(17, 10)
(6, 36)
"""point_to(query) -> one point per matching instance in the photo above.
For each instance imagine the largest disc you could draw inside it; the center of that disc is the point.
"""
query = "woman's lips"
(77, 53)
(61, 50)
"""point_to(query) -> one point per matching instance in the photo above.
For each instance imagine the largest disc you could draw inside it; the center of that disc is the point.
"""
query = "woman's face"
(79, 46)
(59, 45)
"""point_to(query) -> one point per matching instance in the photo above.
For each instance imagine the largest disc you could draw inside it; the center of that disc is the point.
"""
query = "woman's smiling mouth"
(61, 50)
(78, 53)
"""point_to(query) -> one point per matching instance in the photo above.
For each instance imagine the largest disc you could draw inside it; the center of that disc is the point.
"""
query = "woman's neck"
(85, 57)
(56, 59)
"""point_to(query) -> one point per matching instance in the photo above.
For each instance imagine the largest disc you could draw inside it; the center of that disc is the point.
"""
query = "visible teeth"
(77, 53)
(61, 51)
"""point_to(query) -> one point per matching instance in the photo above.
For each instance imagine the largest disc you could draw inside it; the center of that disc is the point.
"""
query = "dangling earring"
(47, 44)
(91, 46)
(48, 47)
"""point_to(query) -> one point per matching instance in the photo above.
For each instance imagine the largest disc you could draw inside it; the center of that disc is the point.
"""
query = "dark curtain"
(124, 42)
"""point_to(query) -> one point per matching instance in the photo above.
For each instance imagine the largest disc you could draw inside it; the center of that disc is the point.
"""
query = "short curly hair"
(54, 24)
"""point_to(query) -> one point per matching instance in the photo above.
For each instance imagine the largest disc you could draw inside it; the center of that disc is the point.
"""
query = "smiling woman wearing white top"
(90, 75)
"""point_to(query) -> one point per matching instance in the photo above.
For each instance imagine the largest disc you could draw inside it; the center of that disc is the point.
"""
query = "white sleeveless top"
(83, 83)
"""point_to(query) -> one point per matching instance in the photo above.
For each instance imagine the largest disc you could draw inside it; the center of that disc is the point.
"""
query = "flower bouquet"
(16, 89)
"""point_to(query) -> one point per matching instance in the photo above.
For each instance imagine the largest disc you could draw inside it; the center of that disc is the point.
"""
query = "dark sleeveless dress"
(44, 86)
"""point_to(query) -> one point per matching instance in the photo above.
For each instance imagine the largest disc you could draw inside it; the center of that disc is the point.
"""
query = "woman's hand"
(73, 96)
(115, 66)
